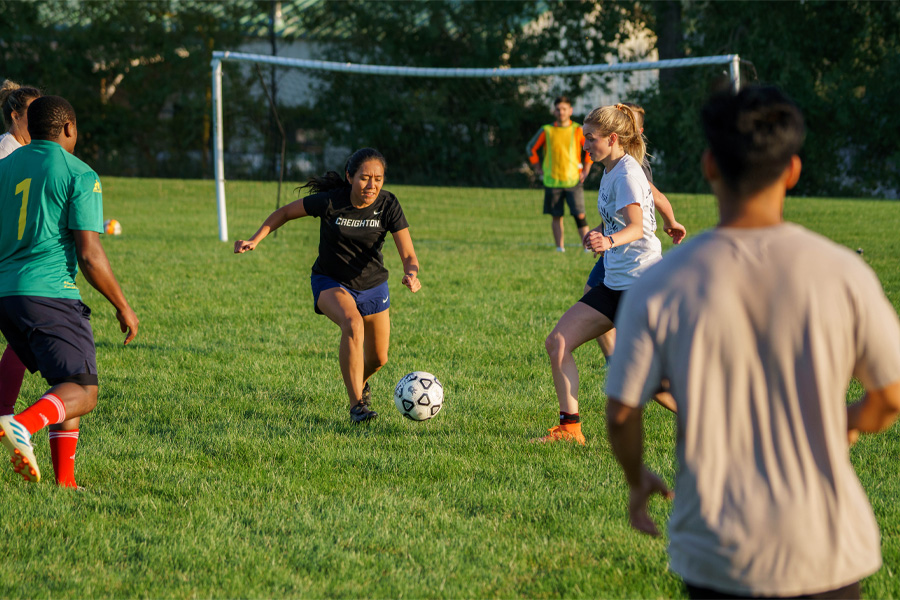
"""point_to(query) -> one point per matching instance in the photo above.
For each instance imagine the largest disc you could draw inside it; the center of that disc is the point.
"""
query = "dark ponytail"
(333, 180)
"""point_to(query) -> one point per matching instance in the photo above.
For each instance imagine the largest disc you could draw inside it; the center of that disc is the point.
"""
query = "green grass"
(220, 461)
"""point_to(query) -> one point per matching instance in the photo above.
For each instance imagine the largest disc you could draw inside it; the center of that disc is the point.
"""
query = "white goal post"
(731, 60)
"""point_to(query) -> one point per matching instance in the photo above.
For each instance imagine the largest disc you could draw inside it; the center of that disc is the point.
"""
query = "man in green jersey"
(51, 215)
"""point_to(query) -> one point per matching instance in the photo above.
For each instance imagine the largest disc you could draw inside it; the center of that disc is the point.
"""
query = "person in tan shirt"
(758, 325)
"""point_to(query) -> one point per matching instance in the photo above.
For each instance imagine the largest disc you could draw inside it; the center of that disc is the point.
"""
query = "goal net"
(288, 117)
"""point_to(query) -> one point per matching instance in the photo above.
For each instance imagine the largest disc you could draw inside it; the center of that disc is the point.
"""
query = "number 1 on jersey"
(23, 188)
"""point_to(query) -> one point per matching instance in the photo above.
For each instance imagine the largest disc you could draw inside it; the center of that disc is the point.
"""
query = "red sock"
(568, 418)
(62, 453)
(12, 371)
(49, 410)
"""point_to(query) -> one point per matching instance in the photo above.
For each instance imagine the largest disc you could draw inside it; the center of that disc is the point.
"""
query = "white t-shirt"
(8, 143)
(758, 332)
(626, 184)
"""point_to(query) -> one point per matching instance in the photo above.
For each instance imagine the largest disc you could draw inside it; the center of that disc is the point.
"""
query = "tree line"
(138, 74)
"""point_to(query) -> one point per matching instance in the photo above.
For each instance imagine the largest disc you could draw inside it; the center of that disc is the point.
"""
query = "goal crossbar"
(733, 62)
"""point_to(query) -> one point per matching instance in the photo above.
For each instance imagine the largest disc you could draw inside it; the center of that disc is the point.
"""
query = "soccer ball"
(419, 396)
(112, 227)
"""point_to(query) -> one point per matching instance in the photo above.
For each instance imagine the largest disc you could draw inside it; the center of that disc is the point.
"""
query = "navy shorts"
(368, 302)
(598, 273)
(604, 300)
(553, 200)
(51, 335)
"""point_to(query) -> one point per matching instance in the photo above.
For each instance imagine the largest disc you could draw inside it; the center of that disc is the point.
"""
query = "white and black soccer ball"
(419, 396)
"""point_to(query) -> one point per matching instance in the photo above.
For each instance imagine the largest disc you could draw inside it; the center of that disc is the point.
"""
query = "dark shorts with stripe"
(51, 335)
(604, 300)
(368, 302)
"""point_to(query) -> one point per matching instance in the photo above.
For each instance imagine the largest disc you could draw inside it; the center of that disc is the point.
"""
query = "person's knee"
(581, 221)
(377, 360)
(352, 327)
(555, 344)
(90, 400)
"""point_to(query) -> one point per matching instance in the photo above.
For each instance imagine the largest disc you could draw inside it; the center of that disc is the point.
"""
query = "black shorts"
(51, 335)
(553, 200)
(604, 300)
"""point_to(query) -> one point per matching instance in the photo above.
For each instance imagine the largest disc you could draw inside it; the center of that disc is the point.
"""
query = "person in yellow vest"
(563, 168)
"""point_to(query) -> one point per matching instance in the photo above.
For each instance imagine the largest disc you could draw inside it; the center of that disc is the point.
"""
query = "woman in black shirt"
(349, 281)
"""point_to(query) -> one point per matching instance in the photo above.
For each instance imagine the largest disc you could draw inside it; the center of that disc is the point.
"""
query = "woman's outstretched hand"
(242, 246)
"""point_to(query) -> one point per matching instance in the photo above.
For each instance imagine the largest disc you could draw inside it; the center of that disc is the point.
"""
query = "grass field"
(221, 462)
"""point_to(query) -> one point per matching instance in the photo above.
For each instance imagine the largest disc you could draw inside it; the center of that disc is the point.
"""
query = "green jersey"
(45, 194)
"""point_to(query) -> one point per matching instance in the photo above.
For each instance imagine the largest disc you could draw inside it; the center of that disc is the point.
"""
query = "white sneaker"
(560, 249)
(18, 441)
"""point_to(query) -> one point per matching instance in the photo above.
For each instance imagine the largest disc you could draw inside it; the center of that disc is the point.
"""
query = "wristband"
(611, 241)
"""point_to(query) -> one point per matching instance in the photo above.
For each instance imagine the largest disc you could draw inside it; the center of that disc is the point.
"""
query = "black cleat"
(361, 412)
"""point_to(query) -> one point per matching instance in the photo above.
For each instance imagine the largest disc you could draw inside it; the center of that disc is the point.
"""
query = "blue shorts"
(368, 302)
(51, 335)
(598, 273)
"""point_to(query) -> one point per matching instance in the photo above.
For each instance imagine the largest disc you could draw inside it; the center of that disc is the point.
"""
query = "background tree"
(137, 73)
(434, 130)
(836, 59)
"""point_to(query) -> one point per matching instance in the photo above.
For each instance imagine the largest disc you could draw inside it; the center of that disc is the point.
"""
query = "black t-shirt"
(350, 238)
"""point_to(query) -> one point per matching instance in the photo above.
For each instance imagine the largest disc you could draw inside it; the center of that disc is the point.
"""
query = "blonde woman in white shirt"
(629, 244)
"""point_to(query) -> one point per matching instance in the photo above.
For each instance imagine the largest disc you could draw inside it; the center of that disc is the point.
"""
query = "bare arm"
(633, 215)
(673, 228)
(97, 271)
(626, 436)
(286, 213)
(875, 412)
(404, 244)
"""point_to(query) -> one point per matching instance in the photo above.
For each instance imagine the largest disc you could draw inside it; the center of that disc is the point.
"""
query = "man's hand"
(128, 323)
(639, 497)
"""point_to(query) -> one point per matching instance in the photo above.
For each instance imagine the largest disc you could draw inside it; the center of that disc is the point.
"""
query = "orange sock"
(49, 410)
(62, 453)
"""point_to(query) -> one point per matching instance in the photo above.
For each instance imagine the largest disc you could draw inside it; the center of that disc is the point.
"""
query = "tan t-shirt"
(759, 332)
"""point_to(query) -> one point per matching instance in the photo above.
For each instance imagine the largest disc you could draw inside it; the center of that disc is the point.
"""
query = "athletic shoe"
(560, 249)
(361, 412)
(18, 441)
(558, 434)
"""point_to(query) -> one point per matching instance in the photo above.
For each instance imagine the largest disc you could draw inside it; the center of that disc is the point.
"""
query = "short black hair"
(752, 135)
(47, 115)
(561, 99)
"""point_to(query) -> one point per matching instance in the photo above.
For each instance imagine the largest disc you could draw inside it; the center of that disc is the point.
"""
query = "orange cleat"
(560, 433)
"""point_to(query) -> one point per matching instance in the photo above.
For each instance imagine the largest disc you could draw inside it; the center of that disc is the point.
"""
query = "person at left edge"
(14, 102)
(51, 215)
(349, 281)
